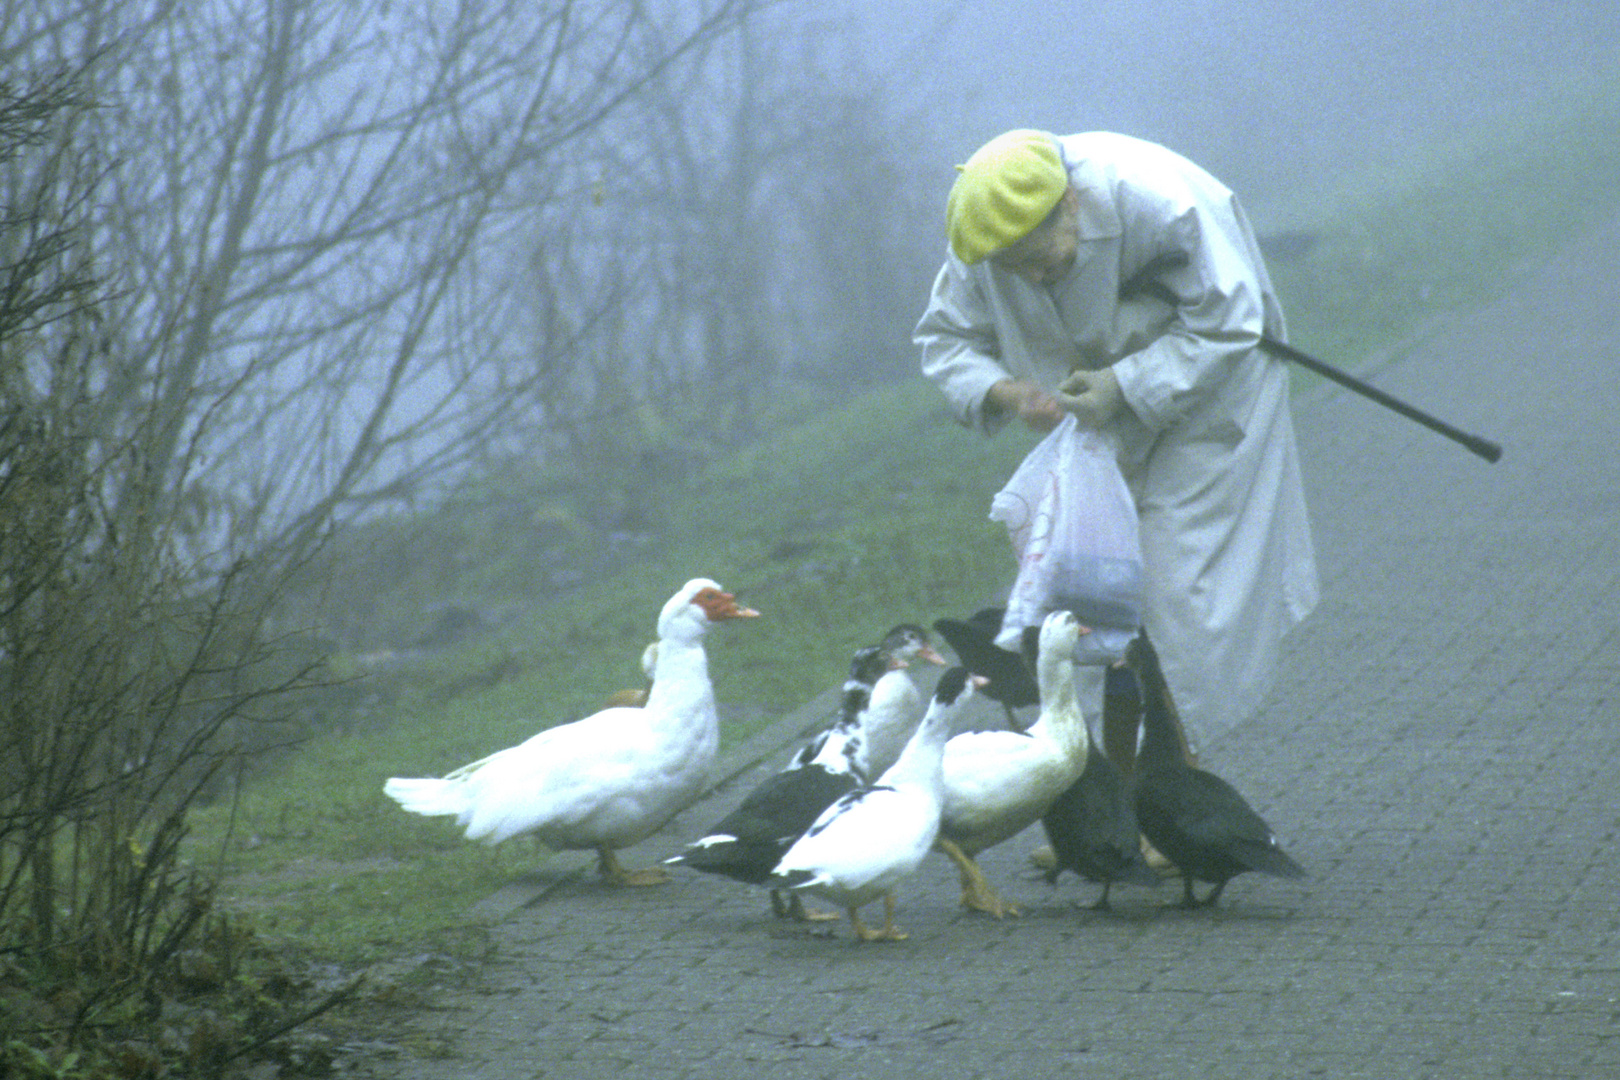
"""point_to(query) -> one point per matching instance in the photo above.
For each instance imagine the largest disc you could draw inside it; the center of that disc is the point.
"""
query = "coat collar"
(1098, 217)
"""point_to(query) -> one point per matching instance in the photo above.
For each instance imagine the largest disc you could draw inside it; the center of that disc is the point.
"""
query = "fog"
(1274, 96)
(410, 259)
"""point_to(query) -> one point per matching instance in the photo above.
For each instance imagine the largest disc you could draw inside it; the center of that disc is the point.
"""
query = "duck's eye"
(713, 601)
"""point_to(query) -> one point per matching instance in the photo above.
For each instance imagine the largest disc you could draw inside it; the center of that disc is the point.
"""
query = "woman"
(1108, 277)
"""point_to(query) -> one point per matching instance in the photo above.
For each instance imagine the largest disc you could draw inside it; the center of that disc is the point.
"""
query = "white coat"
(1207, 441)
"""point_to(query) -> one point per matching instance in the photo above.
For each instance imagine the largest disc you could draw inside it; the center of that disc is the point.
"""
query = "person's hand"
(1092, 396)
(1028, 402)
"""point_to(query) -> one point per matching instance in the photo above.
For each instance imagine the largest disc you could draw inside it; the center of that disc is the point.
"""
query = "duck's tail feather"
(716, 849)
(795, 879)
(1273, 860)
(749, 861)
(429, 797)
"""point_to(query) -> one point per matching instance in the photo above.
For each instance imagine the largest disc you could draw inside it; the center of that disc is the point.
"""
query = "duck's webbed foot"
(607, 864)
(793, 908)
(889, 932)
(977, 892)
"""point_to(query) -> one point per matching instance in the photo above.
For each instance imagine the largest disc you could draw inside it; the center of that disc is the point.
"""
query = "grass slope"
(1451, 226)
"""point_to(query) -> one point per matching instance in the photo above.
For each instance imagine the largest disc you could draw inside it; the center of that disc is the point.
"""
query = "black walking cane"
(1144, 282)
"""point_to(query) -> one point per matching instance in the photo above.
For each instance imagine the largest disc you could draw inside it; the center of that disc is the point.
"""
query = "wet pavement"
(1439, 752)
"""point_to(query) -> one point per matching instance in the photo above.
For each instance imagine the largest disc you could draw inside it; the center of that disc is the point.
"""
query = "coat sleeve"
(960, 350)
(1218, 287)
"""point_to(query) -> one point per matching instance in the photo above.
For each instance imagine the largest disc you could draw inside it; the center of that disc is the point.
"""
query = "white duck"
(871, 838)
(897, 704)
(997, 783)
(612, 779)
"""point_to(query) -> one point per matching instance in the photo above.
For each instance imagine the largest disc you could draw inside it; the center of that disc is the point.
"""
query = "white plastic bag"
(1072, 523)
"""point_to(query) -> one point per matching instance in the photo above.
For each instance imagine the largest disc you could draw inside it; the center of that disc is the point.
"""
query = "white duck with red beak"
(612, 779)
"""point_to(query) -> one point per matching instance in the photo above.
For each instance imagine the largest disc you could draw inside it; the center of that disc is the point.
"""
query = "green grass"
(835, 528)
(1447, 229)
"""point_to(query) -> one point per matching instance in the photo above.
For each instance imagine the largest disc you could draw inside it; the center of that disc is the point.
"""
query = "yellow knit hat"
(1005, 189)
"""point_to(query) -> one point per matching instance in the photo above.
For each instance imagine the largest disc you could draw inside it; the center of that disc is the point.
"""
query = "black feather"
(1193, 817)
(1093, 832)
(1010, 675)
(767, 822)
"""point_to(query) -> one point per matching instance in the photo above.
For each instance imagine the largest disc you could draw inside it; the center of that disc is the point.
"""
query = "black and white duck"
(897, 705)
(747, 843)
(872, 838)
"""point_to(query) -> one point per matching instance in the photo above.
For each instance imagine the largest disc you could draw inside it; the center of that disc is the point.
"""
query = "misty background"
(366, 261)
(370, 260)
(1270, 95)
(337, 332)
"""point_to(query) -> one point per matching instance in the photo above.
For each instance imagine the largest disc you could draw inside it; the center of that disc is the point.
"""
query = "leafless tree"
(756, 217)
(244, 262)
(299, 198)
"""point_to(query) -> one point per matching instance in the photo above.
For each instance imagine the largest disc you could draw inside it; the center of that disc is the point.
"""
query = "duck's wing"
(871, 835)
(1093, 830)
(1010, 681)
(770, 817)
(1199, 819)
